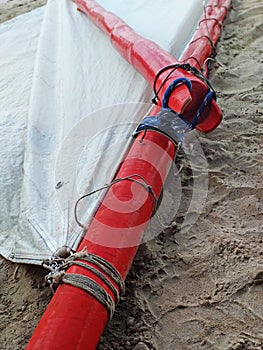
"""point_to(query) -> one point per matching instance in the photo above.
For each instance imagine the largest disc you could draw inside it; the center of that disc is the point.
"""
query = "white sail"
(69, 104)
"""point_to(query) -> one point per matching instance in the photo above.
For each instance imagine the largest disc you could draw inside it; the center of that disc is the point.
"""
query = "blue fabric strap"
(166, 122)
(171, 88)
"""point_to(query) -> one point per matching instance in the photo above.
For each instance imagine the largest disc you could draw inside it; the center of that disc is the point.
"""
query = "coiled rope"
(105, 271)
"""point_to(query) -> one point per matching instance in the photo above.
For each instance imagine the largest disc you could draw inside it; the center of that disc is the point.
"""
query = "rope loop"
(211, 19)
(131, 177)
(206, 37)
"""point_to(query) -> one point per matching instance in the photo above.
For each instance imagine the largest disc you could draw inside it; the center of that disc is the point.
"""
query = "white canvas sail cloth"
(60, 136)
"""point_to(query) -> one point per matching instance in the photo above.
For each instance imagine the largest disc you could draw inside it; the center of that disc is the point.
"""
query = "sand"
(203, 289)
(12, 8)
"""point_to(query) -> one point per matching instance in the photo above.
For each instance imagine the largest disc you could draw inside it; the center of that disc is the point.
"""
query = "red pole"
(208, 33)
(74, 319)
